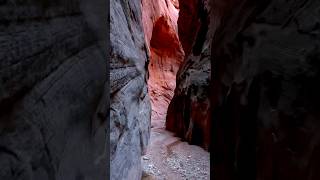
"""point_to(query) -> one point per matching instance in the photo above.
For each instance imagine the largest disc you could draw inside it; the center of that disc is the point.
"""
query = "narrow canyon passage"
(166, 56)
(167, 157)
(248, 77)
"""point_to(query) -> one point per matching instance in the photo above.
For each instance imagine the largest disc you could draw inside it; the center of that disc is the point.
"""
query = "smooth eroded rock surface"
(52, 91)
(130, 109)
(265, 90)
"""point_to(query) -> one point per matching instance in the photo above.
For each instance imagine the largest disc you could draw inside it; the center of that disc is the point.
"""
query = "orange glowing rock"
(166, 54)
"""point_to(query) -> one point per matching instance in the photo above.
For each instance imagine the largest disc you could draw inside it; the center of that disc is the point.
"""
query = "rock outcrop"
(166, 54)
(265, 90)
(188, 114)
(130, 109)
(52, 98)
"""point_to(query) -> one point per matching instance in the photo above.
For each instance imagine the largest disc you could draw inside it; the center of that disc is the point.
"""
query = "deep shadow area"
(53, 90)
(265, 122)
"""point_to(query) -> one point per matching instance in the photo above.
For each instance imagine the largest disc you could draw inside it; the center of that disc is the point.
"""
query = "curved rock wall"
(166, 54)
(265, 100)
(152, 10)
(188, 114)
(52, 98)
(130, 109)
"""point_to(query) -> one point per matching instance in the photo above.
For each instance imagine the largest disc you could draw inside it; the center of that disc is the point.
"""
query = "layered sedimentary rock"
(52, 98)
(166, 54)
(188, 114)
(130, 109)
(265, 90)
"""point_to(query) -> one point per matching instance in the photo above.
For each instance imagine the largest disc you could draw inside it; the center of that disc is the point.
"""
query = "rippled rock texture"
(265, 90)
(188, 114)
(52, 97)
(166, 54)
(130, 109)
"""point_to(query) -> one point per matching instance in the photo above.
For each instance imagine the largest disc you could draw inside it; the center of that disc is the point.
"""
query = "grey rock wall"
(52, 97)
(130, 109)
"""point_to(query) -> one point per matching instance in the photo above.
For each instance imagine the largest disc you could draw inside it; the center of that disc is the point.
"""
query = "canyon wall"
(52, 90)
(166, 54)
(265, 90)
(188, 113)
(130, 109)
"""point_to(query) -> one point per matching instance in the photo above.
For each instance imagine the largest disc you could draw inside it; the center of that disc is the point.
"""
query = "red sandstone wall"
(166, 54)
(189, 111)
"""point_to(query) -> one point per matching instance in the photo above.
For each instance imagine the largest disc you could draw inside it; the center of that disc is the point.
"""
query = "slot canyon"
(233, 82)
(248, 75)
(168, 156)
(160, 74)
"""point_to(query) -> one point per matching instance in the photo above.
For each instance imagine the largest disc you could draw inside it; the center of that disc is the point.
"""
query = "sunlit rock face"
(175, 3)
(152, 10)
(166, 54)
(265, 90)
(188, 113)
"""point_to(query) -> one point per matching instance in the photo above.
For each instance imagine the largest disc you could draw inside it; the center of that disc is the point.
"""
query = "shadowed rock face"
(265, 90)
(189, 22)
(166, 55)
(188, 113)
(130, 109)
(52, 97)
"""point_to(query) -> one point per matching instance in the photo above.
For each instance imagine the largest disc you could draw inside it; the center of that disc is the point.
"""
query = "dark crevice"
(202, 33)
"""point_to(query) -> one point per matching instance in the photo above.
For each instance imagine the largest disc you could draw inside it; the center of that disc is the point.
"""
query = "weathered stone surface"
(265, 90)
(52, 99)
(188, 113)
(130, 109)
(152, 10)
(166, 54)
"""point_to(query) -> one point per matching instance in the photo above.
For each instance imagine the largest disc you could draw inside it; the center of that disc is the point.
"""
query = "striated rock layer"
(130, 109)
(166, 54)
(265, 90)
(188, 114)
(52, 97)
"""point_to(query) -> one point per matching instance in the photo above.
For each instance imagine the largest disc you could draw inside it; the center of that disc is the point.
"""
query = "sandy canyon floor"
(168, 158)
